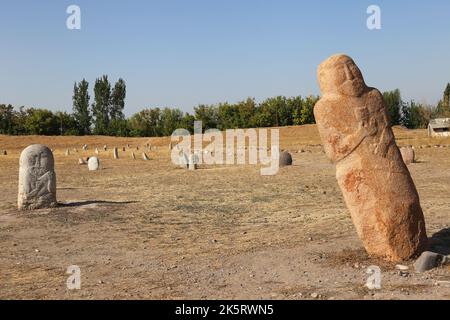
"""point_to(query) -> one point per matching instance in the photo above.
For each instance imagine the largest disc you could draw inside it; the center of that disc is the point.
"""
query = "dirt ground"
(151, 230)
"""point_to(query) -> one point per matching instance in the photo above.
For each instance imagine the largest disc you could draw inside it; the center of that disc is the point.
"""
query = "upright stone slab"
(145, 157)
(93, 164)
(377, 186)
(116, 153)
(37, 178)
(285, 159)
(183, 160)
(408, 155)
(193, 162)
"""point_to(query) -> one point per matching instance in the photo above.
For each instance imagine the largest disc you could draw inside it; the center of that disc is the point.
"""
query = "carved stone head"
(37, 156)
(340, 75)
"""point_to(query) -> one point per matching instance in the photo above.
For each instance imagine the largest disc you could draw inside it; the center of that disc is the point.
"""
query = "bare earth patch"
(150, 230)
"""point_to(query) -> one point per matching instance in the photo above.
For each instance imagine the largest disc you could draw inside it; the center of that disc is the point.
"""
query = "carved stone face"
(37, 156)
(339, 74)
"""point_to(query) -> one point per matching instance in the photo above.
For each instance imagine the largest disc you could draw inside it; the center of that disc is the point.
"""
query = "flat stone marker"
(378, 189)
(93, 164)
(37, 178)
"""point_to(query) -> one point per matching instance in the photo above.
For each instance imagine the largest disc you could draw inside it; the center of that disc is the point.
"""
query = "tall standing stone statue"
(377, 186)
(37, 179)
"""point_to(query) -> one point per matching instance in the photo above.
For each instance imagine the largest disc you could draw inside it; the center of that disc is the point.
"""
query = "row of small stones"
(4, 152)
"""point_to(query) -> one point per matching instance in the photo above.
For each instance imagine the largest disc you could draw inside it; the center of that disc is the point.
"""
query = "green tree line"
(105, 116)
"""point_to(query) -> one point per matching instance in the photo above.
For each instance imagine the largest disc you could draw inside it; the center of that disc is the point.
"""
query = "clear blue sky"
(180, 53)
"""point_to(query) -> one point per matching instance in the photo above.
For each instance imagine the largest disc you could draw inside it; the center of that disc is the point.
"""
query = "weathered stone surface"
(377, 186)
(37, 178)
(193, 162)
(285, 159)
(408, 155)
(430, 260)
(93, 164)
(183, 160)
(116, 153)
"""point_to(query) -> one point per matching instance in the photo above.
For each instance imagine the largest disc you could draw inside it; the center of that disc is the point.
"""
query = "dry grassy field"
(151, 230)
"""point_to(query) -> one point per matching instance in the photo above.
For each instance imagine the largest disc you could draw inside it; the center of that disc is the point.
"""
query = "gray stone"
(193, 162)
(285, 159)
(430, 260)
(37, 178)
(183, 160)
(93, 164)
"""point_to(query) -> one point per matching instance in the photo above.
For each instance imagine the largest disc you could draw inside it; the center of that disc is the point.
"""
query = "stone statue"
(378, 189)
(37, 179)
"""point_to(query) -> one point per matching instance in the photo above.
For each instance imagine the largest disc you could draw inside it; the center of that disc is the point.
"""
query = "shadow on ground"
(440, 242)
(89, 202)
